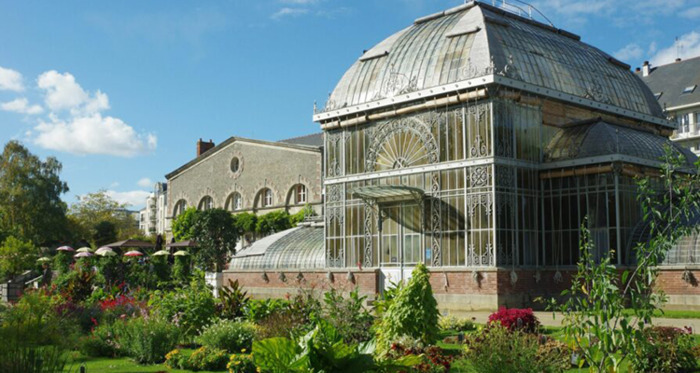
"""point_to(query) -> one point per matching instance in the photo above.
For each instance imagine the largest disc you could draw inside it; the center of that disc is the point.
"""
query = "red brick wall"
(462, 282)
(672, 283)
(366, 281)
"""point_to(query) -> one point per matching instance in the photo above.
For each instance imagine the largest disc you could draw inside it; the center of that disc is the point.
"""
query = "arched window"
(264, 198)
(180, 207)
(297, 195)
(206, 203)
(234, 202)
(267, 198)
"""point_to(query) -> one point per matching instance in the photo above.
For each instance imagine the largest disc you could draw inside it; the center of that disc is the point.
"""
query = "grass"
(672, 314)
(120, 365)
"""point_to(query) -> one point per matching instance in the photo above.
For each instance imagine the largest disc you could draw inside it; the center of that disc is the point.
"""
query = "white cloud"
(686, 46)
(21, 105)
(131, 198)
(288, 12)
(629, 53)
(690, 13)
(63, 92)
(10, 80)
(93, 134)
(145, 182)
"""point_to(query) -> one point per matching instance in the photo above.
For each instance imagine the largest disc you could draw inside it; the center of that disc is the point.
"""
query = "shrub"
(205, 358)
(148, 340)
(348, 315)
(191, 308)
(496, 349)
(456, 324)
(434, 359)
(257, 309)
(228, 335)
(295, 319)
(176, 359)
(232, 300)
(413, 312)
(664, 349)
(516, 318)
(241, 363)
(102, 342)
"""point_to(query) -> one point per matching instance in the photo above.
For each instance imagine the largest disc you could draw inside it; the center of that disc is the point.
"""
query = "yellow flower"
(243, 350)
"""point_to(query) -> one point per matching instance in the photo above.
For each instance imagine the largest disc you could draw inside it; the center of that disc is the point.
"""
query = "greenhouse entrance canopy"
(388, 193)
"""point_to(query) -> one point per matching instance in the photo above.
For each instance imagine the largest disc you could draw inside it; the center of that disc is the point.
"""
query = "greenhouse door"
(400, 241)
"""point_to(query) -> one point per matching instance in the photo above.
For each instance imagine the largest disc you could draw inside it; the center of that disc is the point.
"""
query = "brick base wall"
(458, 290)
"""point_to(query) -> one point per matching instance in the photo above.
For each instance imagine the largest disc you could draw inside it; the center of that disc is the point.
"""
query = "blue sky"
(120, 91)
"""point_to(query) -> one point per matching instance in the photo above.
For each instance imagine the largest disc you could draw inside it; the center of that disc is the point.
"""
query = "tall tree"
(30, 196)
(216, 236)
(94, 209)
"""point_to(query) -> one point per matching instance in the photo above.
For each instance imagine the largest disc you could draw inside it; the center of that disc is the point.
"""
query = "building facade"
(249, 175)
(477, 141)
(675, 85)
(152, 218)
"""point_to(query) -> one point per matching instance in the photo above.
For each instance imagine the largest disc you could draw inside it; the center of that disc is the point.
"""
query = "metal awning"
(388, 193)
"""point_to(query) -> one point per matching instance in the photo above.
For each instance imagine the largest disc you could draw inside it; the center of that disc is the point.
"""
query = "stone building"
(249, 175)
(675, 85)
(476, 141)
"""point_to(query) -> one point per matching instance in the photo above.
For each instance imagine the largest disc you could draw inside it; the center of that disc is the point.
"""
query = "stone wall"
(261, 165)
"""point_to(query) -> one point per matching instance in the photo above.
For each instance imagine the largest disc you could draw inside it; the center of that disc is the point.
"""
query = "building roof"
(314, 139)
(295, 248)
(671, 80)
(230, 141)
(601, 139)
(475, 40)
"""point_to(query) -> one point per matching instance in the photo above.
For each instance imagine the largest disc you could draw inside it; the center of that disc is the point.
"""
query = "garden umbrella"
(84, 249)
(134, 253)
(161, 253)
(65, 248)
(105, 251)
(181, 253)
(43, 259)
(84, 254)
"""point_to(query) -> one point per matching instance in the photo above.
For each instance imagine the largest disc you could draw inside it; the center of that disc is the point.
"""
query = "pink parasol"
(65, 248)
(84, 254)
(133, 253)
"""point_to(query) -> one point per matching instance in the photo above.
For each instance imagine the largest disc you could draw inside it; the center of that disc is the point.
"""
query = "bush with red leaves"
(436, 361)
(516, 319)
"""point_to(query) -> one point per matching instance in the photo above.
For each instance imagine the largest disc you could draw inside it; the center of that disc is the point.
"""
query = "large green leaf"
(279, 355)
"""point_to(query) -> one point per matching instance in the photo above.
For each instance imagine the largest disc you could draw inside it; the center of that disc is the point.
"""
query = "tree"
(30, 196)
(16, 256)
(105, 232)
(245, 223)
(95, 209)
(272, 222)
(216, 236)
(595, 322)
(183, 224)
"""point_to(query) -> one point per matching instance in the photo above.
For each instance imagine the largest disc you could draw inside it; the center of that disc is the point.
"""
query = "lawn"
(120, 365)
(672, 314)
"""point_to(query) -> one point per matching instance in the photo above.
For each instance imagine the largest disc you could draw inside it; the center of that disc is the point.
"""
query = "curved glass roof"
(475, 40)
(600, 138)
(296, 248)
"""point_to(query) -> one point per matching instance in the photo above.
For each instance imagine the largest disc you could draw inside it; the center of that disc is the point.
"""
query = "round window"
(235, 164)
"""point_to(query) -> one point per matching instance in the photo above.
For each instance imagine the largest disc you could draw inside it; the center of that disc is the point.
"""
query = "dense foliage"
(522, 319)
(16, 256)
(228, 335)
(412, 312)
(665, 350)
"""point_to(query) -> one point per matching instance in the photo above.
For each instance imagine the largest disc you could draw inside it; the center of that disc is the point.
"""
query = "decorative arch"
(297, 195)
(234, 202)
(401, 143)
(265, 198)
(276, 196)
(205, 203)
(179, 207)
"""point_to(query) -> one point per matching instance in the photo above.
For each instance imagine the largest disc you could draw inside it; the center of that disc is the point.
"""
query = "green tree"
(183, 224)
(245, 223)
(30, 196)
(595, 322)
(93, 209)
(216, 236)
(16, 256)
(272, 222)
(105, 232)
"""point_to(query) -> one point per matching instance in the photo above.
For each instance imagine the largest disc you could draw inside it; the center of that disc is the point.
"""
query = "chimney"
(678, 59)
(203, 146)
(637, 69)
(646, 68)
